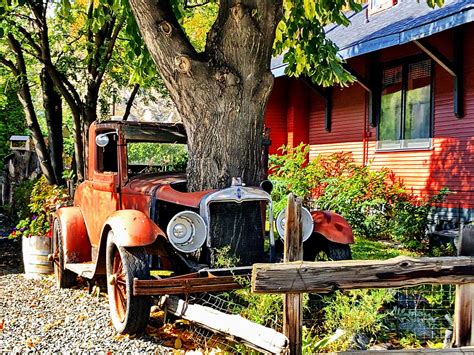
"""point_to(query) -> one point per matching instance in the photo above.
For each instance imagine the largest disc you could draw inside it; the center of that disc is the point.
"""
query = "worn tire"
(319, 248)
(129, 313)
(64, 278)
(336, 251)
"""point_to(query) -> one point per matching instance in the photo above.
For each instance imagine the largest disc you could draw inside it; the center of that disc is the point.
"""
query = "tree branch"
(176, 59)
(159, 16)
(27, 35)
(90, 35)
(130, 102)
(8, 63)
(110, 49)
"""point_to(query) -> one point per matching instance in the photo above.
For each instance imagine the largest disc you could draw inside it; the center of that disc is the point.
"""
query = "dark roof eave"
(399, 38)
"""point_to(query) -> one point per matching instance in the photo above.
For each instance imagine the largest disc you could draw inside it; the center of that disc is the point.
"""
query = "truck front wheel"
(64, 278)
(129, 313)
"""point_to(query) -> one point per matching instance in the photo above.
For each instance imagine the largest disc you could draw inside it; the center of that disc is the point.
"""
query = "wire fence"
(426, 312)
(423, 313)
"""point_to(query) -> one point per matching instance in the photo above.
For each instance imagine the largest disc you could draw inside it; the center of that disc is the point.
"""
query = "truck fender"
(132, 228)
(333, 227)
(76, 244)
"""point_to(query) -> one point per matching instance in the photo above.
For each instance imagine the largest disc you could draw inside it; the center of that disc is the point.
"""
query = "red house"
(411, 108)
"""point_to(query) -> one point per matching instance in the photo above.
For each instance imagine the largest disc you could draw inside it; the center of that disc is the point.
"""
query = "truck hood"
(145, 184)
(162, 186)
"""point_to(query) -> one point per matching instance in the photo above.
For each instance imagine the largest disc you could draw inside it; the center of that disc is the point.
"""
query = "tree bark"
(24, 94)
(221, 94)
(52, 104)
(128, 108)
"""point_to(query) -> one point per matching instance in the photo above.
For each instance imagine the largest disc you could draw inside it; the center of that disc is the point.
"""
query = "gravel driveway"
(36, 316)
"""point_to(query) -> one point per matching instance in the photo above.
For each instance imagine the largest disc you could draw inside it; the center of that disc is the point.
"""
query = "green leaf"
(309, 9)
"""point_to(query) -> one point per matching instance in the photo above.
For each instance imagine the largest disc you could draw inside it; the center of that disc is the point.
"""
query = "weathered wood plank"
(231, 326)
(323, 277)
(463, 315)
(292, 302)
(463, 308)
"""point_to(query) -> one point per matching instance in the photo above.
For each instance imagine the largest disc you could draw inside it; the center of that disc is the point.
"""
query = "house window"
(406, 102)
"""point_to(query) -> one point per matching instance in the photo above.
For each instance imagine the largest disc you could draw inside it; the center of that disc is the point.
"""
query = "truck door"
(103, 189)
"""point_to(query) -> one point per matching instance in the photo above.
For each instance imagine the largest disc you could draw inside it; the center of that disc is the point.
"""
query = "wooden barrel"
(35, 257)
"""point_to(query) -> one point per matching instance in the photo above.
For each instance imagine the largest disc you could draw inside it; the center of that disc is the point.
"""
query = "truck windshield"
(150, 157)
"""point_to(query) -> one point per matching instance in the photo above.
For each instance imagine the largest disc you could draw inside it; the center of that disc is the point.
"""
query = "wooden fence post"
(293, 251)
(463, 308)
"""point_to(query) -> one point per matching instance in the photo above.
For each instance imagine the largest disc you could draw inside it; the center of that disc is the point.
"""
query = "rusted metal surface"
(189, 199)
(138, 207)
(132, 228)
(77, 248)
(333, 227)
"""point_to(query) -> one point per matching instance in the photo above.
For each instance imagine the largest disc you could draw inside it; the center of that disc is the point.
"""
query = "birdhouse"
(20, 143)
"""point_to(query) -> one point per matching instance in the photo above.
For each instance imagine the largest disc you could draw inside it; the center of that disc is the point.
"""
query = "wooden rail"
(324, 277)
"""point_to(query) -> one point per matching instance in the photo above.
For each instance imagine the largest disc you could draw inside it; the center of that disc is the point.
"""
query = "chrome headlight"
(306, 218)
(187, 231)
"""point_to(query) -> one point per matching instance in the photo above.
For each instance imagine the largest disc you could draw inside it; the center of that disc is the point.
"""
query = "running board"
(85, 270)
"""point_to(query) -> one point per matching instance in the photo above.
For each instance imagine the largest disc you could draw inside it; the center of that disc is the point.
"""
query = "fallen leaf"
(2, 323)
(81, 317)
(158, 314)
(177, 343)
(120, 337)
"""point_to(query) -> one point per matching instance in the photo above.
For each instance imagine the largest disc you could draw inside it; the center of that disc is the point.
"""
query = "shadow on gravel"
(10, 256)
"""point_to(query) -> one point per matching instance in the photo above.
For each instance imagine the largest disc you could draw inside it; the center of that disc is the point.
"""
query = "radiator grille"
(239, 225)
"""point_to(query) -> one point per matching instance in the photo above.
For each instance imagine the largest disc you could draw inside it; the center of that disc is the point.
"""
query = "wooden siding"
(348, 121)
(449, 164)
(298, 111)
(275, 114)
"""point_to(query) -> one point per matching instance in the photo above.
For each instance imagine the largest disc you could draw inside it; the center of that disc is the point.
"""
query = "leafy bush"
(20, 200)
(410, 219)
(158, 156)
(375, 203)
(355, 312)
(43, 201)
(12, 116)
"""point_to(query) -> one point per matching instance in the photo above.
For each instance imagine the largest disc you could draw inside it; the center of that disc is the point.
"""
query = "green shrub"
(42, 203)
(355, 312)
(410, 219)
(158, 156)
(375, 203)
(20, 200)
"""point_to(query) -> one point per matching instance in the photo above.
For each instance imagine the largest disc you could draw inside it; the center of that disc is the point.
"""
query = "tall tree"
(79, 44)
(221, 93)
(18, 68)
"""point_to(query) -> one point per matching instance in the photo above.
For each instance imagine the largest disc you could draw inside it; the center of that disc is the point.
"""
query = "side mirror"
(102, 140)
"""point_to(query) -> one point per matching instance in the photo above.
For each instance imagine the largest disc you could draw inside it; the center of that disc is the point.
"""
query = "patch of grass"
(364, 249)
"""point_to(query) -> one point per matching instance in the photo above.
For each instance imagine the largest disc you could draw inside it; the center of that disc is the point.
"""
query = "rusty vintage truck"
(141, 229)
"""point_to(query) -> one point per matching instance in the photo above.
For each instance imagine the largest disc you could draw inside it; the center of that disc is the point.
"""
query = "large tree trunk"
(52, 104)
(221, 95)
